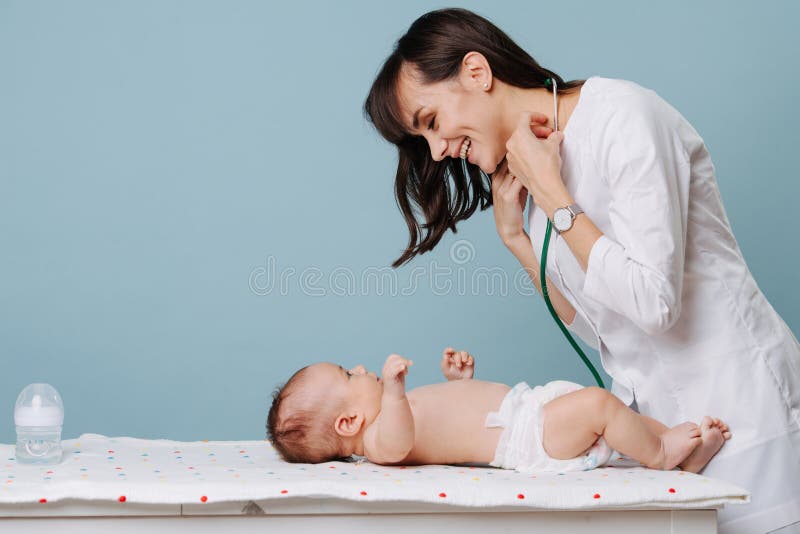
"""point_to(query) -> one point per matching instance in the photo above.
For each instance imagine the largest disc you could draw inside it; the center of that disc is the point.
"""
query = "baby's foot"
(676, 444)
(713, 433)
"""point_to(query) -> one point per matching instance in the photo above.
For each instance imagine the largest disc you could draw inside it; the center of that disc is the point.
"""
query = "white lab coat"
(667, 298)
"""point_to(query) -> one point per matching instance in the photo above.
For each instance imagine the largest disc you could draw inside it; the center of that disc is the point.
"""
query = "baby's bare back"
(449, 422)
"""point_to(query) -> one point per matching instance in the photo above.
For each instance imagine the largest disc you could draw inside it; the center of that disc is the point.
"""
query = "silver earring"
(486, 86)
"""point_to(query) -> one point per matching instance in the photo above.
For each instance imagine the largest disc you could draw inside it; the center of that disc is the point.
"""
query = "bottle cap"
(39, 405)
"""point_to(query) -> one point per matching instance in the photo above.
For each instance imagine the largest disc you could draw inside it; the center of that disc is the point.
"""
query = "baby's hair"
(303, 434)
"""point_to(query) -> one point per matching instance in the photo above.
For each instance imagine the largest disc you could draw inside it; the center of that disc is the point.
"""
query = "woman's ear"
(476, 74)
(349, 424)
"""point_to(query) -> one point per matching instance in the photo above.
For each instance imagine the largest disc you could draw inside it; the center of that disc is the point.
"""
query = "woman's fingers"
(514, 187)
(500, 178)
(542, 132)
(531, 117)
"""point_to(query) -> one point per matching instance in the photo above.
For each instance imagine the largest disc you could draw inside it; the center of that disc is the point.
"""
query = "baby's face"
(358, 388)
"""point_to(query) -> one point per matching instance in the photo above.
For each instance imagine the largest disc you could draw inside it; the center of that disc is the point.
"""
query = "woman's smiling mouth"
(465, 146)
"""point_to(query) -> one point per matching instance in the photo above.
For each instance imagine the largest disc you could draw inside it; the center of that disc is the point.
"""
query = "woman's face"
(449, 112)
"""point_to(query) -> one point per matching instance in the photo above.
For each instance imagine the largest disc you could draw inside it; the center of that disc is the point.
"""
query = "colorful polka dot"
(672, 490)
(520, 496)
(596, 495)
(363, 493)
(203, 499)
(42, 501)
(122, 498)
(284, 491)
(442, 495)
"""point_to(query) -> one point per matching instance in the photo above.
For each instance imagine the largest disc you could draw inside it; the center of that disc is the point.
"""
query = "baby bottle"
(39, 415)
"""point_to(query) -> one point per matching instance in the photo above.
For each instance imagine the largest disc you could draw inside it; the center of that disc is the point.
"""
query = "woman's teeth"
(465, 146)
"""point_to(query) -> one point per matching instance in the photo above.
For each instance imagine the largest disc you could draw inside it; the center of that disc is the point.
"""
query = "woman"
(649, 273)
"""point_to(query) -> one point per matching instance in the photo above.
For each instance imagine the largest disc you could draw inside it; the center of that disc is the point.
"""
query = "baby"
(325, 412)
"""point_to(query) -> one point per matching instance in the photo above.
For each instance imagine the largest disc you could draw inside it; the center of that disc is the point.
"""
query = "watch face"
(562, 219)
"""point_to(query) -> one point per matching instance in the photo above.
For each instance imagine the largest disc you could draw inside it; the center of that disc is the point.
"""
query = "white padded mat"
(129, 470)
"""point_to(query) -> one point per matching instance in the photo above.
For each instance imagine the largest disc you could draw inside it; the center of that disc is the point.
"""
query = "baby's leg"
(656, 427)
(573, 422)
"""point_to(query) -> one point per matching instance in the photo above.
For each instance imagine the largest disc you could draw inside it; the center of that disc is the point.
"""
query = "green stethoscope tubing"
(543, 265)
(560, 324)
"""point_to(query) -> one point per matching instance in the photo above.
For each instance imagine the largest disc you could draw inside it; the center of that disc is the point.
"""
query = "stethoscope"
(543, 263)
(551, 82)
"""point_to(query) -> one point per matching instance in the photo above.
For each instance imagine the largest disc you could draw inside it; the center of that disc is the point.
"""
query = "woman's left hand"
(537, 164)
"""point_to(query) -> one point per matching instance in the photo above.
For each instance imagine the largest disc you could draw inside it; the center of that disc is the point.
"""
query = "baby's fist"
(457, 365)
(394, 374)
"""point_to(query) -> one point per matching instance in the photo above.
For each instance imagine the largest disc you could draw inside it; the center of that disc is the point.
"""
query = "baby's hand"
(394, 376)
(457, 364)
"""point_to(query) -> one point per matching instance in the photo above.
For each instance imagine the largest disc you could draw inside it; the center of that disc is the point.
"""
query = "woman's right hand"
(509, 195)
(509, 198)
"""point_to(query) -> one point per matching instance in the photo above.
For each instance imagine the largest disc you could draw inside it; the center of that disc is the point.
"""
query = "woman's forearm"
(523, 251)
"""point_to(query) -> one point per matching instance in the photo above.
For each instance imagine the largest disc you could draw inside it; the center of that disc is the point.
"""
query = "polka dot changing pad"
(123, 469)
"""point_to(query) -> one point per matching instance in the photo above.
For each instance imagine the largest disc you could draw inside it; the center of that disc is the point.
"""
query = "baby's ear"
(349, 424)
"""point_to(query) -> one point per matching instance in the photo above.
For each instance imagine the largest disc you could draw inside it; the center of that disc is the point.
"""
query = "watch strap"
(575, 210)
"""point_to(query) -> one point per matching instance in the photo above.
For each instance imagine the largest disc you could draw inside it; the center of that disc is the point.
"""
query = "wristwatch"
(564, 217)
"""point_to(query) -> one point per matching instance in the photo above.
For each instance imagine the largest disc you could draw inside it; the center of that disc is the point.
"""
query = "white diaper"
(522, 417)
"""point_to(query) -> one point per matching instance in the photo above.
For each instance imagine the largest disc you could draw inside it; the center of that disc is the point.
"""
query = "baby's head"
(321, 412)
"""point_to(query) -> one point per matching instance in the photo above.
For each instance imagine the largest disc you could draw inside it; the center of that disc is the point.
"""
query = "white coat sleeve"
(639, 274)
(580, 326)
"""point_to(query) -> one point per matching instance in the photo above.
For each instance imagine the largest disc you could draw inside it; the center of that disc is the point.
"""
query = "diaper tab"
(502, 417)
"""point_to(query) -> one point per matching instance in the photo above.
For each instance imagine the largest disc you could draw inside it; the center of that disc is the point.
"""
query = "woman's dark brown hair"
(447, 191)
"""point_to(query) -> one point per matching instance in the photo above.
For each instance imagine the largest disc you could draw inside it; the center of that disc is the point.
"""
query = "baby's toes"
(691, 429)
(726, 435)
(706, 423)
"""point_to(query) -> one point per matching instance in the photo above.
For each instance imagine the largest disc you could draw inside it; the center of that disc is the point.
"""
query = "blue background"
(155, 157)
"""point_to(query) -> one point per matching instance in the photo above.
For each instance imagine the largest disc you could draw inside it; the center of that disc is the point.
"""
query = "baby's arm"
(390, 437)
(457, 365)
